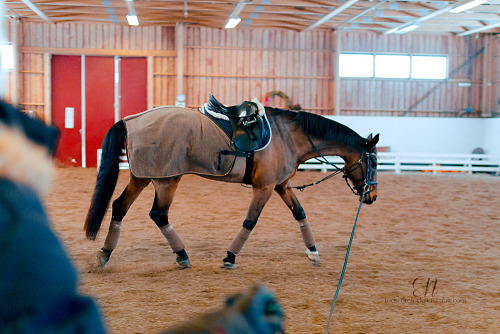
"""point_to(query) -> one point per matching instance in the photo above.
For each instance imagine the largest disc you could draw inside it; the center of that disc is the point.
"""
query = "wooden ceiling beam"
(36, 10)
(297, 15)
(331, 14)
(480, 29)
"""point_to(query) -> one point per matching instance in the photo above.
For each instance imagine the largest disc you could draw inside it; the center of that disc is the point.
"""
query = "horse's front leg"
(260, 197)
(288, 196)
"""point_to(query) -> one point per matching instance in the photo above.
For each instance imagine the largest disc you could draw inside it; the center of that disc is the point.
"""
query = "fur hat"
(33, 128)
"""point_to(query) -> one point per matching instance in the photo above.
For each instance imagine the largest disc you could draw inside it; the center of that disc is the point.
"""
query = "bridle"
(368, 157)
(362, 190)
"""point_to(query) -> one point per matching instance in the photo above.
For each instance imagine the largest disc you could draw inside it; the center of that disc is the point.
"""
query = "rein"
(360, 191)
(325, 161)
(345, 265)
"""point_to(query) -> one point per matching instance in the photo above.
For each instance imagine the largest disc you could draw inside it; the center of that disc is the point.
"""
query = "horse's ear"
(372, 141)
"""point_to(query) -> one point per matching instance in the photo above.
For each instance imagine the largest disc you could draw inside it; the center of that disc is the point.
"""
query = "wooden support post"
(336, 56)
(150, 82)
(487, 67)
(15, 72)
(180, 58)
(47, 88)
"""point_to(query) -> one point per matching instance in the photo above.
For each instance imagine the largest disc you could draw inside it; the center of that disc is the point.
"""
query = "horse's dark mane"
(279, 112)
(324, 128)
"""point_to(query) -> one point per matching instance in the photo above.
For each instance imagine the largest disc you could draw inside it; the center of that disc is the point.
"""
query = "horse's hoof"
(313, 257)
(183, 262)
(229, 262)
(102, 258)
(229, 265)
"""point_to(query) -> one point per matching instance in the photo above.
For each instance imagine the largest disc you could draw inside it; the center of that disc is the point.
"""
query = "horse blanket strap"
(247, 178)
(171, 141)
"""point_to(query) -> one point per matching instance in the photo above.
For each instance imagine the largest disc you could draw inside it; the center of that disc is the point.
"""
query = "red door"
(99, 109)
(66, 108)
(99, 103)
(133, 86)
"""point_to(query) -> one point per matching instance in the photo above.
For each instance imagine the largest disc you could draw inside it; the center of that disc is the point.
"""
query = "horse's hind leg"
(120, 208)
(165, 190)
(288, 196)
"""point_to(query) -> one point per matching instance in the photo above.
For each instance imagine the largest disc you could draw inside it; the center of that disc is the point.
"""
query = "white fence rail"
(399, 162)
(123, 159)
(435, 163)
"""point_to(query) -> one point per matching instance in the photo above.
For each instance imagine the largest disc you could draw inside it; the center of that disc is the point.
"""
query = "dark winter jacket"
(38, 283)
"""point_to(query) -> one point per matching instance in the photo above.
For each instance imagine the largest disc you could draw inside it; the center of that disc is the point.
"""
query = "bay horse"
(296, 137)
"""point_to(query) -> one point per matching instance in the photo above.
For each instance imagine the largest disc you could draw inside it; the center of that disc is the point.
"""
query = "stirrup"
(313, 256)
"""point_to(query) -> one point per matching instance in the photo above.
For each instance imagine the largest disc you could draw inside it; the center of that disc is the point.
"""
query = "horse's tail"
(107, 177)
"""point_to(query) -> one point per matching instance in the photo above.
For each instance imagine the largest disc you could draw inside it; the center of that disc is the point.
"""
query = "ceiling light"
(132, 20)
(466, 6)
(232, 22)
(407, 29)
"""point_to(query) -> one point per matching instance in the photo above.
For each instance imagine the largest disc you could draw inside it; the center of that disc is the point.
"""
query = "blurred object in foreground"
(254, 311)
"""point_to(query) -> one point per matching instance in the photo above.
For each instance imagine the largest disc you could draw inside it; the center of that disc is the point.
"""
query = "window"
(352, 65)
(428, 67)
(7, 56)
(356, 65)
(391, 66)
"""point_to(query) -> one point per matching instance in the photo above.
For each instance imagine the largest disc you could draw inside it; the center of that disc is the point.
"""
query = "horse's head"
(363, 173)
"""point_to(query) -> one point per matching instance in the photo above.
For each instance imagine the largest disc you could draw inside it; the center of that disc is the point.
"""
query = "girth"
(247, 178)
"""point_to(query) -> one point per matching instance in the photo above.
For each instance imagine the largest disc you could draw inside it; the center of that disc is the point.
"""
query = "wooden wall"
(492, 102)
(240, 64)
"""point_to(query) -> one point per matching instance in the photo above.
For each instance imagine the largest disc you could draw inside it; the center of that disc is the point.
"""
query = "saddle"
(249, 125)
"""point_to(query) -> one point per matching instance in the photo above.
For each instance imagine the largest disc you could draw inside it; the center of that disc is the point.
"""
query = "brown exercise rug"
(170, 141)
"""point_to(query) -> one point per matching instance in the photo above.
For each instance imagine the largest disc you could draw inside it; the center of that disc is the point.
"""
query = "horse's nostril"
(369, 200)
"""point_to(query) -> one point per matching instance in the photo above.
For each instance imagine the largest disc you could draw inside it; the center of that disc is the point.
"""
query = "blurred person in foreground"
(38, 283)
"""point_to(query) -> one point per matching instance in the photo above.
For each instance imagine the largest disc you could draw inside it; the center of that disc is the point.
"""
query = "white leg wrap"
(239, 241)
(113, 235)
(307, 234)
(172, 238)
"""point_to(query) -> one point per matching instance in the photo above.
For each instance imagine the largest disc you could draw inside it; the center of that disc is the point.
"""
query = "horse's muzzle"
(371, 195)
